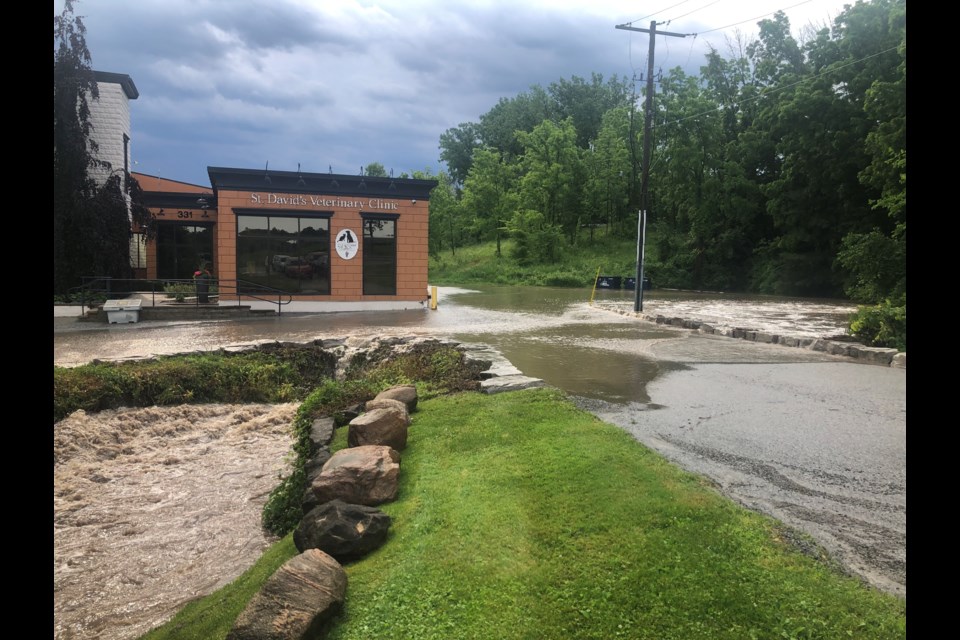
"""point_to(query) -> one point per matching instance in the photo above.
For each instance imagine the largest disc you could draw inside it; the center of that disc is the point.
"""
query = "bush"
(283, 510)
(882, 325)
(282, 374)
(180, 290)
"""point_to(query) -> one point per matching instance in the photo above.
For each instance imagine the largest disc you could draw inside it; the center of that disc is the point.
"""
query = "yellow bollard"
(433, 298)
(595, 284)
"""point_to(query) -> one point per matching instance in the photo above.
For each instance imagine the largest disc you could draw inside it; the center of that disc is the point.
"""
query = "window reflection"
(290, 253)
(379, 256)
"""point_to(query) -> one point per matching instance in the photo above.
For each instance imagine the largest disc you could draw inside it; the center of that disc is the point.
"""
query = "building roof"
(156, 183)
(122, 79)
(325, 183)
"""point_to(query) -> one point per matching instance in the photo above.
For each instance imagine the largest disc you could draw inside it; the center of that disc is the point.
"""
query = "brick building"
(332, 242)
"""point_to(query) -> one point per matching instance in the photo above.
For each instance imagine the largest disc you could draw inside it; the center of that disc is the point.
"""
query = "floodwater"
(814, 440)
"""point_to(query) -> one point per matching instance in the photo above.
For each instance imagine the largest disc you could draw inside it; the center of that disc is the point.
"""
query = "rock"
(359, 475)
(405, 393)
(838, 348)
(296, 602)
(321, 433)
(382, 426)
(345, 531)
(388, 403)
(874, 355)
(349, 414)
(315, 464)
(900, 360)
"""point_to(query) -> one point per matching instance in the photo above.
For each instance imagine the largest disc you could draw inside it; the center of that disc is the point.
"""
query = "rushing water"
(153, 507)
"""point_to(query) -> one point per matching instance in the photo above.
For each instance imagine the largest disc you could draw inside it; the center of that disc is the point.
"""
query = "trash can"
(608, 282)
(203, 289)
(630, 284)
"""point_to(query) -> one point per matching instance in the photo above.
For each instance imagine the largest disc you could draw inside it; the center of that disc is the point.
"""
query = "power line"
(661, 11)
(736, 24)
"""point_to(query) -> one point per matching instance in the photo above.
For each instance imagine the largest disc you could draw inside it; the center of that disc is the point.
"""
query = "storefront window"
(379, 255)
(290, 253)
(138, 251)
(181, 248)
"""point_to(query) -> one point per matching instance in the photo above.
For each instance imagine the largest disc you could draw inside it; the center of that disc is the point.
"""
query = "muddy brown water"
(156, 507)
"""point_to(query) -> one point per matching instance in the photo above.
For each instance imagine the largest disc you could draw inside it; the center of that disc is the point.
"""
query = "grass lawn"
(521, 516)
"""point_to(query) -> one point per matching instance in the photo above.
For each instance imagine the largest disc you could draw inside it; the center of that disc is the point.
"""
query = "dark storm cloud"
(345, 82)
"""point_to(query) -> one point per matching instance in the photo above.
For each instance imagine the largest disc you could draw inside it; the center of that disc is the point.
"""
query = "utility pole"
(645, 175)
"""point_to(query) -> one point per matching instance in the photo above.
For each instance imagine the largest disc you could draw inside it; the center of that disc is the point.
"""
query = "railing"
(199, 291)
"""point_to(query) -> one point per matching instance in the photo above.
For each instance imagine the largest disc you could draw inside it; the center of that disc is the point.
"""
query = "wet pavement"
(815, 440)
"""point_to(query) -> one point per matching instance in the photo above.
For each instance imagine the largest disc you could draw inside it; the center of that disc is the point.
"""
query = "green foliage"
(282, 511)
(280, 375)
(375, 169)
(778, 170)
(535, 241)
(572, 266)
(90, 298)
(179, 291)
(876, 266)
(213, 616)
(501, 508)
(91, 222)
(881, 325)
(434, 368)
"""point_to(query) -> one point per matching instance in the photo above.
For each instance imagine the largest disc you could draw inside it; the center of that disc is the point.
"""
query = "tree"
(553, 174)
(73, 150)
(91, 222)
(456, 149)
(376, 170)
(487, 194)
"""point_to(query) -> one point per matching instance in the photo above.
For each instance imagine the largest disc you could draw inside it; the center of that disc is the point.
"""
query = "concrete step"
(187, 311)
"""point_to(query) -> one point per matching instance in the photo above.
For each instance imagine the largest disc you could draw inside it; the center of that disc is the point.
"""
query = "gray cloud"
(343, 82)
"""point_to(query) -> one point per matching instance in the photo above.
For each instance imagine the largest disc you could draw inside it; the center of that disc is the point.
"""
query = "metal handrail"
(98, 287)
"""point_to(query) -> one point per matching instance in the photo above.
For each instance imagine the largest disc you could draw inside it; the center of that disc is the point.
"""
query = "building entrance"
(182, 248)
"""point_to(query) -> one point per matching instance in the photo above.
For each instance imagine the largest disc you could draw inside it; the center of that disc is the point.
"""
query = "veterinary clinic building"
(333, 242)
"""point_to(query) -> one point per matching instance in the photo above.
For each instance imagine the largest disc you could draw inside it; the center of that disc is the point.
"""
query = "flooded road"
(814, 440)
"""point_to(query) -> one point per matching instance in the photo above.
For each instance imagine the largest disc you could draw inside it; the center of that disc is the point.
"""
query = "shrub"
(279, 374)
(882, 325)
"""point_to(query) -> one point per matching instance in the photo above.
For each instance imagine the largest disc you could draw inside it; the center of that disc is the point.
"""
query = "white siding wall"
(110, 117)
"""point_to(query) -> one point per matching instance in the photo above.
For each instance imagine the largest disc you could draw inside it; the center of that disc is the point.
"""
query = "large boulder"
(366, 474)
(405, 393)
(296, 602)
(384, 426)
(345, 531)
(387, 403)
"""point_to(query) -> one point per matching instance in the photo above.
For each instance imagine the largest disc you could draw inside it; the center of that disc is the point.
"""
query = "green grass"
(576, 267)
(212, 616)
(521, 516)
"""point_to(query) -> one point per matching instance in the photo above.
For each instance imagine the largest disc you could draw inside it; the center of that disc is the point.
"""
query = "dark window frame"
(371, 287)
(278, 274)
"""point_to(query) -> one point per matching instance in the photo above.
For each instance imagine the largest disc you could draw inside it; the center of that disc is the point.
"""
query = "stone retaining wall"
(839, 347)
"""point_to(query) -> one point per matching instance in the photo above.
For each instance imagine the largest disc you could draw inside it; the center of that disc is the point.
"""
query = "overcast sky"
(342, 83)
